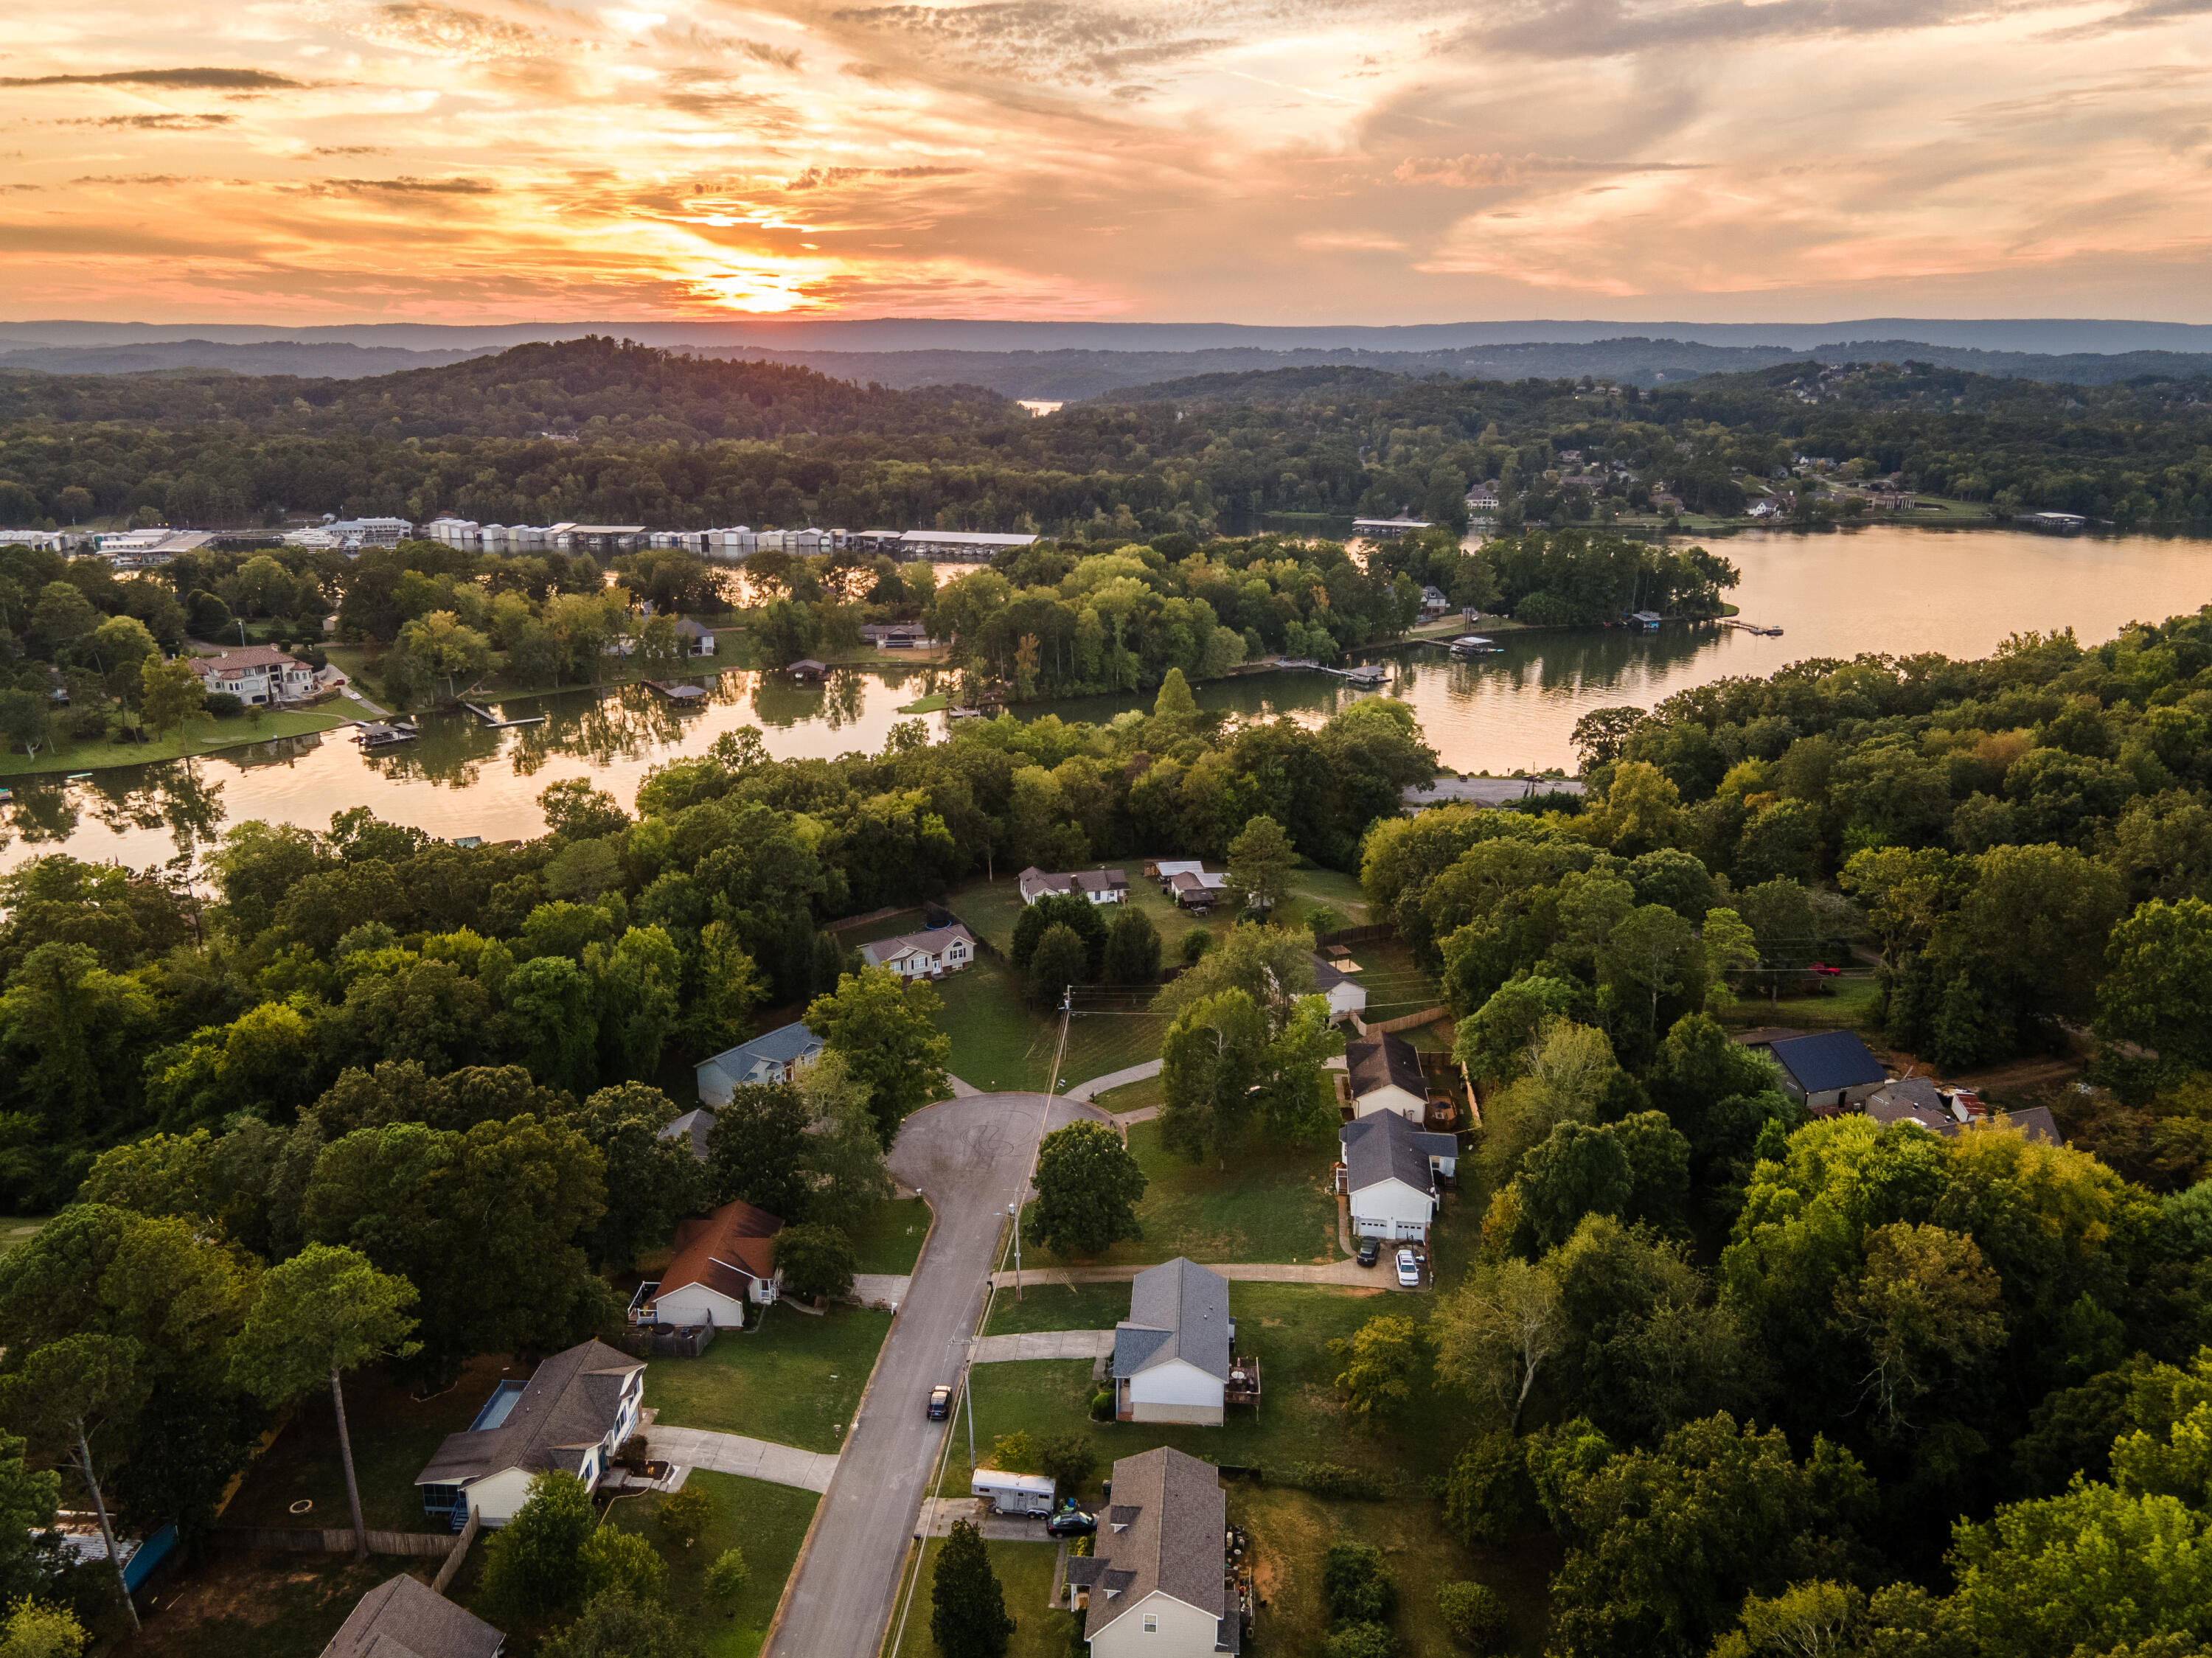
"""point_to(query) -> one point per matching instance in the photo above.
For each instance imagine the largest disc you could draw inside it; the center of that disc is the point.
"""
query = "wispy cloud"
(215, 80)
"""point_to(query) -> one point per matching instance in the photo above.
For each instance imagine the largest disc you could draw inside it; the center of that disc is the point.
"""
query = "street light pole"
(1014, 1210)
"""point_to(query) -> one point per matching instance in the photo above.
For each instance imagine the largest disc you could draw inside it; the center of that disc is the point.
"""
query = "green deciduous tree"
(37, 1629)
(169, 692)
(727, 1576)
(621, 1562)
(616, 1626)
(887, 1031)
(2159, 961)
(684, 1514)
(968, 1619)
(1059, 961)
(660, 1180)
(844, 1156)
(1498, 1331)
(1488, 1497)
(1132, 949)
(756, 1149)
(1210, 1063)
(1260, 863)
(815, 1262)
(1381, 1361)
(532, 1563)
(1088, 1185)
(323, 1313)
(68, 1393)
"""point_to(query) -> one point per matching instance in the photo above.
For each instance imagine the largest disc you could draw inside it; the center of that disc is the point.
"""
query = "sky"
(1223, 160)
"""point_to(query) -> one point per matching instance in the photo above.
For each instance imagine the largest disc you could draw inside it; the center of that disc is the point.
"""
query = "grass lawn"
(1395, 983)
(199, 737)
(1111, 1030)
(238, 1604)
(998, 1041)
(17, 1230)
(767, 1521)
(1058, 1306)
(1133, 1097)
(795, 1381)
(988, 908)
(891, 1240)
(1288, 1326)
(1292, 1531)
(1271, 1203)
(1852, 1008)
(393, 1435)
(1025, 1573)
(1313, 888)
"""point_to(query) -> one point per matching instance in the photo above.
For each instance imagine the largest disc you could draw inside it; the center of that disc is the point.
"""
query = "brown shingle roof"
(1178, 1516)
(570, 1406)
(406, 1618)
(726, 1251)
(245, 656)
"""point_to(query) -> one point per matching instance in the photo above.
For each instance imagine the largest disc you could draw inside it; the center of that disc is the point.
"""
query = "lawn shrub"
(1071, 1459)
(625, 1562)
(1362, 1641)
(1356, 1582)
(727, 1578)
(1014, 1453)
(1335, 1482)
(1474, 1614)
(683, 1515)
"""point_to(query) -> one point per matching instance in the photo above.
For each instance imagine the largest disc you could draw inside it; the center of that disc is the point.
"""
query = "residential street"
(969, 1157)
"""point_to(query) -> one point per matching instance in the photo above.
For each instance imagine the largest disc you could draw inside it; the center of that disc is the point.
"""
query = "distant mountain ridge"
(1071, 374)
(2047, 335)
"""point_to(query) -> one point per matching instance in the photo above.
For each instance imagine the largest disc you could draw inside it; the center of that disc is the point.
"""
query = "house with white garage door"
(1173, 1355)
(721, 1262)
(1389, 1175)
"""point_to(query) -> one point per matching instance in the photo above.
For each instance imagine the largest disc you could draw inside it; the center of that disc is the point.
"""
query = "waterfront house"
(1100, 886)
(257, 674)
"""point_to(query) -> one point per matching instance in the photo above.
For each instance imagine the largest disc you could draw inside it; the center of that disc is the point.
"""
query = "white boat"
(1474, 645)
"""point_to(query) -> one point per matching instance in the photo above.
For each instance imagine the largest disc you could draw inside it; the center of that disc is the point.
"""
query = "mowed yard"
(1027, 1574)
(795, 1380)
(1264, 1203)
(767, 1522)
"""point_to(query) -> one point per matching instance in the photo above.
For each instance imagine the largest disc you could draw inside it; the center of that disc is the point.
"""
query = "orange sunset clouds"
(1243, 160)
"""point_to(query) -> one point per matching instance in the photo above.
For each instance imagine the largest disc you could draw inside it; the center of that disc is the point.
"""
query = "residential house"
(774, 1056)
(697, 637)
(1197, 889)
(1385, 1075)
(807, 669)
(254, 674)
(1100, 886)
(405, 1618)
(1158, 1582)
(1172, 1355)
(896, 635)
(1389, 1175)
(573, 1415)
(359, 532)
(930, 955)
(1434, 603)
(721, 1262)
(1950, 1112)
(692, 1128)
(1827, 1068)
(1482, 500)
(1346, 995)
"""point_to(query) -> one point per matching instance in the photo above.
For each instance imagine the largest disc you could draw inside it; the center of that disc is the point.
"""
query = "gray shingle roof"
(1385, 1147)
(692, 1127)
(931, 942)
(1173, 1543)
(406, 1618)
(569, 1407)
(1177, 1311)
(781, 1046)
(1327, 978)
(1377, 1062)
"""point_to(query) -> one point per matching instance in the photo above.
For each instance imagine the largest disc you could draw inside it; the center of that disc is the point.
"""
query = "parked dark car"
(1370, 1251)
(1070, 1522)
(940, 1403)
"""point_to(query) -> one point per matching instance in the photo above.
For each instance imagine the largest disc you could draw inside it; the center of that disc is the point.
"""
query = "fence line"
(1403, 1022)
(336, 1540)
(1357, 935)
(873, 916)
(460, 1551)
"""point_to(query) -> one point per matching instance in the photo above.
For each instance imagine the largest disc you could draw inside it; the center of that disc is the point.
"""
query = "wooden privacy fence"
(1357, 935)
(427, 1545)
(460, 1551)
(1403, 1022)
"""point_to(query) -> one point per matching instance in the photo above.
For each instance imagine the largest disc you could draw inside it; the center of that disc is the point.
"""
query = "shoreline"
(115, 757)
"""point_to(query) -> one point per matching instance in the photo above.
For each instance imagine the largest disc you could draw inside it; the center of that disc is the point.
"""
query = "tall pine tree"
(969, 1618)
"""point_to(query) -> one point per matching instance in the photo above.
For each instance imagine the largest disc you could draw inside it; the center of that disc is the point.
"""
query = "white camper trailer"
(1014, 1493)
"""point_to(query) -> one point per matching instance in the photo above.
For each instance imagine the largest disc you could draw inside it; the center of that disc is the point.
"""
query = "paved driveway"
(970, 1157)
(755, 1459)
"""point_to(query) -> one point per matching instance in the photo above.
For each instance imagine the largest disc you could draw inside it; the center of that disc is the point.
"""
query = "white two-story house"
(255, 674)
(930, 955)
(572, 1414)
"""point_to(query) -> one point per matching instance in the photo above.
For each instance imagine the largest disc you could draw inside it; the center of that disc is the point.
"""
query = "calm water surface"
(1885, 588)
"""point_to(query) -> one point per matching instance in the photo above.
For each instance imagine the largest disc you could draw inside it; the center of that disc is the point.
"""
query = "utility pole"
(1015, 1211)
(967, 1386)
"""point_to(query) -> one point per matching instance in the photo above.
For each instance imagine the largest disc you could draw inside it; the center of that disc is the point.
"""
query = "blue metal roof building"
(1829, 1068)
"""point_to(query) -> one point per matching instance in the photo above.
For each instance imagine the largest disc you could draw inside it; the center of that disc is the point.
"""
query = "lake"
(1884, 588)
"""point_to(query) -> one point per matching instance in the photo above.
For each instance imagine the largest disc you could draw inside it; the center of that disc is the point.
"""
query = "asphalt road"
(970, 1158)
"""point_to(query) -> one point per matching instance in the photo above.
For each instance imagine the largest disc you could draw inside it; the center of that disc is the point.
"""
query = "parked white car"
(1409, 1270)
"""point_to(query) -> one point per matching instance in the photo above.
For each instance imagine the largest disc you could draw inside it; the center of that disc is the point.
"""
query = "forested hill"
(593, 388)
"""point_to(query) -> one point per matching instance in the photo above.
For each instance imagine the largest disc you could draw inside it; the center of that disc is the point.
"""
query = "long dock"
(1367, 673)
(495, 722)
